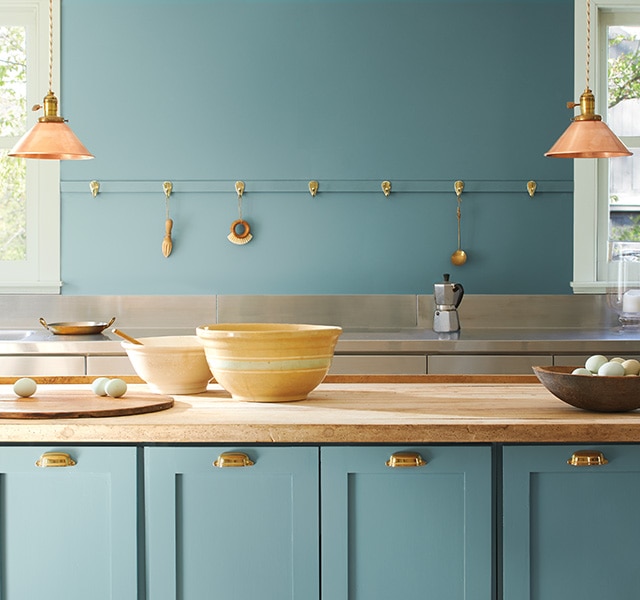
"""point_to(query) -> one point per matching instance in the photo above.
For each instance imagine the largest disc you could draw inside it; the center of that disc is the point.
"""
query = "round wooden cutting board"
(69, 404)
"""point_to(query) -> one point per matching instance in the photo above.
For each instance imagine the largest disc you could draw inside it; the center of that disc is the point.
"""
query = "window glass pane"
(624, 197)
(13, 81)
(13, 90)
(13, 216)
(623, 117)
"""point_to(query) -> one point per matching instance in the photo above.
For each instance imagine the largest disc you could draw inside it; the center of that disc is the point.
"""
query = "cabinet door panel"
(571, 532)
(69, 532)
(411, 533)
(240, 532)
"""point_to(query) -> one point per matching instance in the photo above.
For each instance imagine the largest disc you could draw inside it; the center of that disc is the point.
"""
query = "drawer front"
(109, 365)
(578, 360)
(397, 364)
(41, 365)
(486, 364)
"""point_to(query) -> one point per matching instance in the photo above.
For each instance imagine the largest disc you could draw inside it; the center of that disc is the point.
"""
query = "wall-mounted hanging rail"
(329, 186)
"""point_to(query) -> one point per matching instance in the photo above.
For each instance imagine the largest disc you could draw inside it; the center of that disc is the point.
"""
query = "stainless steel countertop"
(365, 341)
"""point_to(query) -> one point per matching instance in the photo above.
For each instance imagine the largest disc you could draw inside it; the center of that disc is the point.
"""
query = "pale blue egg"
(116, 388)
(593, 363)
(581, 371)
(98, 386)
(25, 387)
(611, 369)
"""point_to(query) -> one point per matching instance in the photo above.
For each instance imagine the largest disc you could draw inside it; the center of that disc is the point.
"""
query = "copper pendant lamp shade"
(50, 138)
(588, 136)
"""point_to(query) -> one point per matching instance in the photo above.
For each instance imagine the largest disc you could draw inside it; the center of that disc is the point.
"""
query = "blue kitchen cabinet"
(235, 524)
(411, 532)
(571, 531)
(68, 523)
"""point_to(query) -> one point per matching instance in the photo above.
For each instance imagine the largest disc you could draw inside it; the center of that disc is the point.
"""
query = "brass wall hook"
(94, 186)
(167, 186)
(386, 188)
(531, 187)
(239, 188)
(313, 188)
(459, 257)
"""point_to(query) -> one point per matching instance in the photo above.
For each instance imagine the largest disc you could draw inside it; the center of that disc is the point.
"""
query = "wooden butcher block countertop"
(342, 410)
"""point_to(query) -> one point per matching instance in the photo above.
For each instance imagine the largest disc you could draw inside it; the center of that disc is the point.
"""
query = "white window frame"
(590, 192)
(40, 272)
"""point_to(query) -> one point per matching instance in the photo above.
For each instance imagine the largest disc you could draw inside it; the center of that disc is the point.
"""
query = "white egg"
(617, 359)
(594, 362)
(98, 385)
(631, 366)
(581, 371)
(116, 388)
(25, 387)
(611, 369)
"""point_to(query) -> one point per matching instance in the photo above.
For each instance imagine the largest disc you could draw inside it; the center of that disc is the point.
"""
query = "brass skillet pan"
(76, 327)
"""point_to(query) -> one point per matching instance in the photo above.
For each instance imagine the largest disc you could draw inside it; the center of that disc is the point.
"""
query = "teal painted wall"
(350, 93)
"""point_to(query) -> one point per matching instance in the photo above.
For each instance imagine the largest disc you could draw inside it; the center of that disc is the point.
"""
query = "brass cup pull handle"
(405, 459)
(587, 458)
(233, 459)
(55, 459)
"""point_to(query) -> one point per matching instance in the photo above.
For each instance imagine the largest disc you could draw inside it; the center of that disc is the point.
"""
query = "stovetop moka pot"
(447, 297)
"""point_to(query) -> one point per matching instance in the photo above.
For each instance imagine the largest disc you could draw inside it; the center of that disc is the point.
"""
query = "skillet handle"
(44, 323)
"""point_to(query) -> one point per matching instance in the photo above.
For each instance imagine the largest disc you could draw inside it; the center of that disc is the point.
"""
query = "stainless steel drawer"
(486, 364)
(41, 365)
(109, 365)
(578, 360)
(355, 364)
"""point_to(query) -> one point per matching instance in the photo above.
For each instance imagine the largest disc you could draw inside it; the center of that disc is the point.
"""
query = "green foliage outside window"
(624, 70)
(13, 78)
(627, 233)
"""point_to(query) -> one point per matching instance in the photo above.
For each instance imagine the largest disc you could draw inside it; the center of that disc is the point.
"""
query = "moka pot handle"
(458, 292)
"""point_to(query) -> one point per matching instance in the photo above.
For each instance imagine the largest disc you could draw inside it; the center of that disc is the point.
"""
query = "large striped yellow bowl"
(268, 362)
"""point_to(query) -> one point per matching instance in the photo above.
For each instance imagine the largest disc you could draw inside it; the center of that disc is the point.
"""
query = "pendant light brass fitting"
(50, 105)
(587, 106)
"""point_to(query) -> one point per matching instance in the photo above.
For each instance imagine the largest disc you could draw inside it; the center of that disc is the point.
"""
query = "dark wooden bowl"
(597, 393)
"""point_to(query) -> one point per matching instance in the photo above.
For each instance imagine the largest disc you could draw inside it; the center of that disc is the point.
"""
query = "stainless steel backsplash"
(349, 311)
